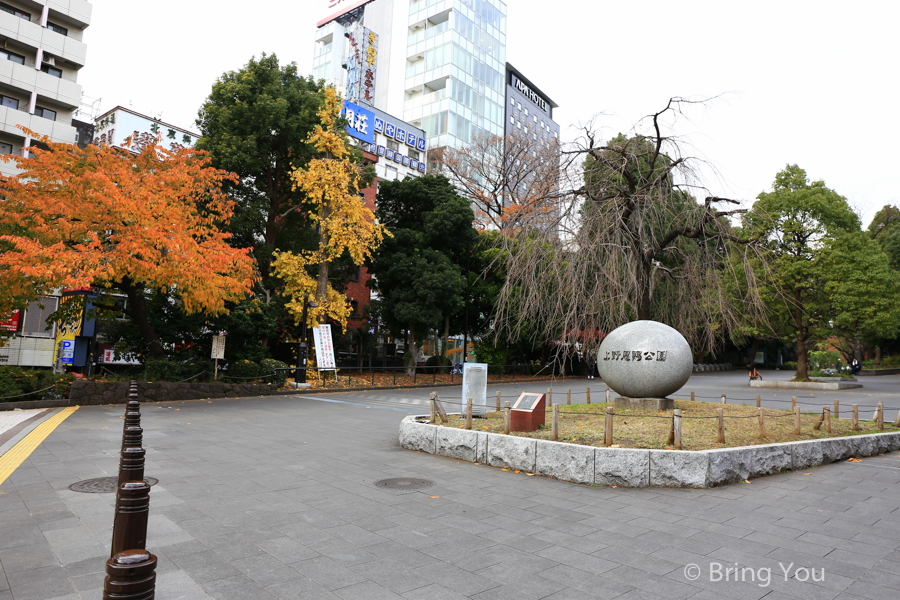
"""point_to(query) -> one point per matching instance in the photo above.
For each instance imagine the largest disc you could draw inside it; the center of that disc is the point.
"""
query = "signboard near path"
(218, 347)
(324, 348)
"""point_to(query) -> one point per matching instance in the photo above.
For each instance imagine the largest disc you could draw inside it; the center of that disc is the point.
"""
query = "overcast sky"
(808, 82)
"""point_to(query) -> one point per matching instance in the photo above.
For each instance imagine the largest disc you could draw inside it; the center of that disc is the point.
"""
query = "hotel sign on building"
(399, 146)
(362, 66)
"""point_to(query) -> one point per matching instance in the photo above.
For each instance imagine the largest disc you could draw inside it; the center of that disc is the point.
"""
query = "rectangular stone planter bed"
(805, 385)
(635, 467)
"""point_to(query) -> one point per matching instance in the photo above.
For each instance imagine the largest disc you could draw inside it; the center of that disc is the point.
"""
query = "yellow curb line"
(11, 460)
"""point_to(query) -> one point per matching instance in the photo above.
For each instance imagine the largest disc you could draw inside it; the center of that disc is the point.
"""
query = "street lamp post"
(304, 349)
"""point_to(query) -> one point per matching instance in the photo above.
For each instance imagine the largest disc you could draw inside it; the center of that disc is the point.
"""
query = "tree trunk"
(137, 310)
(446, 337)
(412, 351)
(754, 348)
(802, 362)
(644, 279)
(877, 356)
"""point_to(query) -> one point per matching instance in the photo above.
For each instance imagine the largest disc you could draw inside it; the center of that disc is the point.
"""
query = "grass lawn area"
(585, 424)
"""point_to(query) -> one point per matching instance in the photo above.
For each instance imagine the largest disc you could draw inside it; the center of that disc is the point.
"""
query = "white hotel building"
(41, 52)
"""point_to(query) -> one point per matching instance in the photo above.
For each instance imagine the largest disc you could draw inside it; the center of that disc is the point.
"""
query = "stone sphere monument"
(645, 361)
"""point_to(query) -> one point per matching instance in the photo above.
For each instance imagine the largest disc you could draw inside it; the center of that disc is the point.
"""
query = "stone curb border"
(628, 467)
(805, 385)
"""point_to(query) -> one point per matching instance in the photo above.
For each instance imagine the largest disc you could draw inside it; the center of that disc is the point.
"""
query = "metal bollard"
(131, 465)
(132, 512)
(130, 575)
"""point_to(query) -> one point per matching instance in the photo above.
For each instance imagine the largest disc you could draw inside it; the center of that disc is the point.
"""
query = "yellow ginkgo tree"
(331, 185)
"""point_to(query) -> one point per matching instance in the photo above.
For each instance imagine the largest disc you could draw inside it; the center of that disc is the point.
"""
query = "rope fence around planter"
(675, 431)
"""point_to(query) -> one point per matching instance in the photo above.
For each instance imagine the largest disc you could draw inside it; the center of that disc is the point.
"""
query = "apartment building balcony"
(78, 11)
(64, 92)
(58, 131)
(35, 36)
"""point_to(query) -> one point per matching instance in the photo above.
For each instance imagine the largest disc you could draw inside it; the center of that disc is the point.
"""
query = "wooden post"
(692, 396)
(793, 402)
(676, 423)
(506, 417)
(757, 401)
(554, 431)
(216, 374)
(827, 419)
(837, 409)
(439, 407)
(720, 420)
(498, 400)
(569, 396)
(433, 419)
(762, 423)
(880, 416)
(550, 397)
(671, 439)
(820, 421)
(130, 575)
(796, 420)
(589, 395)
(897, 420)
(608, 437)
(607, 395)
(723, 399)
(855, 408)
(469, 413)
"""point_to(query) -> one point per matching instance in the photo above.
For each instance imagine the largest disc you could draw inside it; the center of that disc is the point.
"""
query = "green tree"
(417, 272)
(798, 221)
(256, 123)
(861, 290)
(885, 229)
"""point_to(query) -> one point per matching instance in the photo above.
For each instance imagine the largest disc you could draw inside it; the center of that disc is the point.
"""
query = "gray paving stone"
(40, 584)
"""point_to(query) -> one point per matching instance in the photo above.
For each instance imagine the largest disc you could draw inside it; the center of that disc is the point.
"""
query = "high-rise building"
(441, 64)
(529, 110)
(41, 52)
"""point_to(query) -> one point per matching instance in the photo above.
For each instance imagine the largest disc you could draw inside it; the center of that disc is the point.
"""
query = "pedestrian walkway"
(275, 497)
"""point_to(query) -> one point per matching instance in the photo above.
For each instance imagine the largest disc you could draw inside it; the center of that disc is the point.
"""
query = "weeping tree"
(630, 242)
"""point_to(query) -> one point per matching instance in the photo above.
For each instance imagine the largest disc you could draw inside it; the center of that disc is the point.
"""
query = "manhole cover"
(103, 485)
(404, 483)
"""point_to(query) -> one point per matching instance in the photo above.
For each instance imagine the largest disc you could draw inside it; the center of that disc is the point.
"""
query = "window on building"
(355, 276)
(12, 56)
(519, 105)
(413, 155)
(512, 120)
(9, 102)
(36, 318)
(354, 308)
(45, 112)
(512, 101)
(6, 148)
(391, 144)
(51, 70)
(15, 11)
(57, 28)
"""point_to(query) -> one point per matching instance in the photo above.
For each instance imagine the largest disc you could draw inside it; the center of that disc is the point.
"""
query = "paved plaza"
(274, 498)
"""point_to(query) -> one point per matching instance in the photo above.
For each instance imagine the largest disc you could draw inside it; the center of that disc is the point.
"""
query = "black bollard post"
(130, 575)
(132, 512)
(131, 465)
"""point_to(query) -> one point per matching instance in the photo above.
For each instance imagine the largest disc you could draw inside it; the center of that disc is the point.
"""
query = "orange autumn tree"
(122, 223)
(345, 224)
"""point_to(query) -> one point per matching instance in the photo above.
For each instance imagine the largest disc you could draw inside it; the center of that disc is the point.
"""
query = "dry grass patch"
(585, 424)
